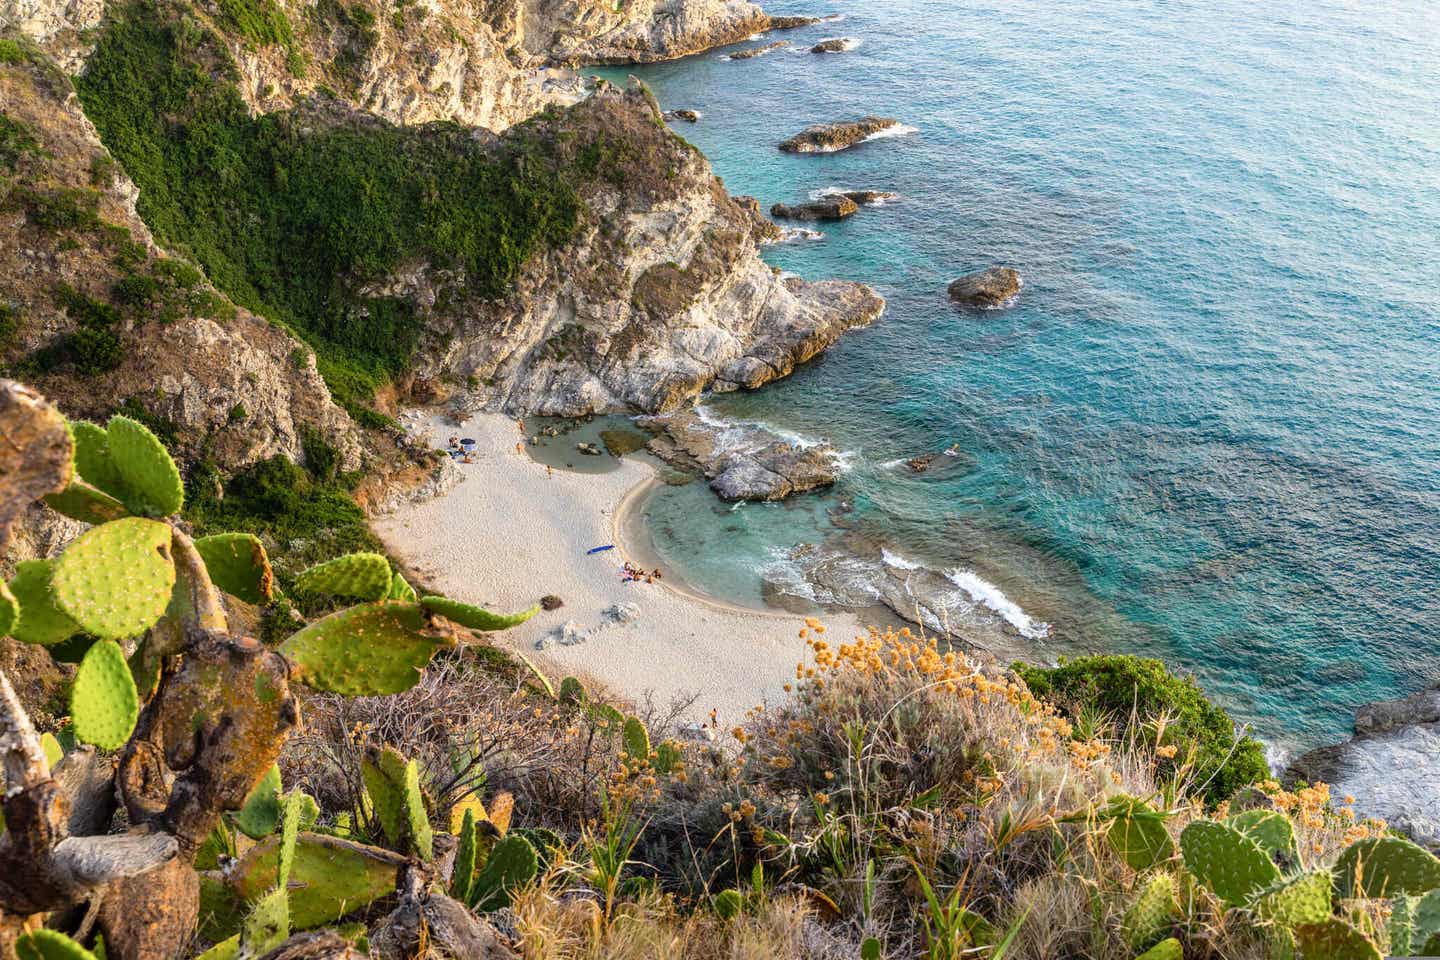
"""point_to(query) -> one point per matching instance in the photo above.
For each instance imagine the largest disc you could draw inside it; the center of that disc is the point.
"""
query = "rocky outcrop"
(573, 32)
(751, 52)
(833, 45)
(835, 207)
(830, 137)
(1391, 766)
(986, 289)
(101, 316)
(742, 461)
(689, 306)
(689, 116)
(866, 198)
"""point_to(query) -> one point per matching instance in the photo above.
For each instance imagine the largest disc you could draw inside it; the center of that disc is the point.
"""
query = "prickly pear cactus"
(1414, 927)
(1164, 950)
(152, 485)
(1303, 899)
(260, 815)
(364, 576)
(224, 950)
(669, 756)
(115, 579)
(238, 564)
(511, 864)
(400, 589)
(636, 738)
(366, 651)
(1333, 940)
(465, 852)
(92, 458)
(571, 691)
(40, 618)
(1137, 833)
(399, 804)
(1271, 829)
(330, 877)
(289, 830)
(476, 618)
(49, 945)
(1152, 912)
(104, 704)
(1228, 862)
(268, 924)
(9, 610)
(85, 503)
(1386, 867)
(728, 904)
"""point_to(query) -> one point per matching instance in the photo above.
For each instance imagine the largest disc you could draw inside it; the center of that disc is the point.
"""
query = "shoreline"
(513, 531)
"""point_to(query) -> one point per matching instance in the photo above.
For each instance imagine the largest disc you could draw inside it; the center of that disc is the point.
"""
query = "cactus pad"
(502, 808)
(151, 479)
(85, 503)
(49, 945)
(9, 610)
(1334, 940)
(237, 563)
(511, 864)
(92, 458)
(224, 950)
(1151, 913)
(329, 878)
(1304, 899)
(728, 904)
(103, 703)
(1385, 867)
(268, 924)
(476, 618)
(469, 805)
(289, 830)
(636, 739)
(394, 787)
(1164, 950)
(1269, 828)
(1137, 833)
(261, 813)
(364, 576)
(115, 580)
(1227, 861)
(368, 650)
(465, 852)
(400, 589)
(669, 755)
(571, 691)
(41, 620)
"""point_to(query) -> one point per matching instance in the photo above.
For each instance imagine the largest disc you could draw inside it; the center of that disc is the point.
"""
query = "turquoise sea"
(1209, 430)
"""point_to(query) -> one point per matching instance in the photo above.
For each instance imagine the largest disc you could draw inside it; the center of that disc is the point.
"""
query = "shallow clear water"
(1208, 429)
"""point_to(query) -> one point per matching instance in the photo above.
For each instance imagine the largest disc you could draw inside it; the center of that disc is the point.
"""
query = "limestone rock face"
(830, 137)
(661, 295)
(59, 26)
(1391, 766)
(640, 31)
(743, 462)
(228, 381)
(986, 289)
(836, 207)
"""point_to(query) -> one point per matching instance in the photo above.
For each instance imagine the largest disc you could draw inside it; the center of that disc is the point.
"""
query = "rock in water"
(986, 289)
(830, 137)
(750, 464)
(868, 197)
(756, 51)
(836, 207)
(1391, 766)
(832, 45)
(789, 23)
(689, 116)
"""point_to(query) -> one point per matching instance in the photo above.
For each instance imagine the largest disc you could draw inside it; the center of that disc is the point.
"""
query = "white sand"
(510, 534)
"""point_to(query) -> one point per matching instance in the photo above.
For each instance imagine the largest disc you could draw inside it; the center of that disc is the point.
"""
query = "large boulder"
(986, 289)
(835, 207)
(833, 45)
(830, 137)
(743, 461)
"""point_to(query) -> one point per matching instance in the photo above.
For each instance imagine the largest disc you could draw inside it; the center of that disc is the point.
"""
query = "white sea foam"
(984, 592)
(823, 192)
(898, 130)
(897, 561)
(736, 432)
(791, 234)
(850, 43)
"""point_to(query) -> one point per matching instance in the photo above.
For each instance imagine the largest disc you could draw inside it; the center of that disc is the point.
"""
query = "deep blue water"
(1208, 429)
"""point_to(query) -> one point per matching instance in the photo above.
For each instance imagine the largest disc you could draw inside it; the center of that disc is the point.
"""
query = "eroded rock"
(987, 289)
(743, 462)
(834, 207)
(830, 137)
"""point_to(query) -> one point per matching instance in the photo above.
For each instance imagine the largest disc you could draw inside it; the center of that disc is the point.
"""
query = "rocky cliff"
(97, 316)
(643, 31)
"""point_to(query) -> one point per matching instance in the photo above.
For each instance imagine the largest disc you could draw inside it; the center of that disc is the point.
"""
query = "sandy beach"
(512, 532)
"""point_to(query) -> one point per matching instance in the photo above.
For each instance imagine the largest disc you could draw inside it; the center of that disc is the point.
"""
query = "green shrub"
(288, 217)
(321, 457)
(1117, 684)
(11, 51)
(9, 325)
(259, 21)
(15, 142)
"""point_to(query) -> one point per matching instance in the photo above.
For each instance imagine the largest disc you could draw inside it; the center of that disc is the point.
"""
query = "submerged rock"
(830, 137)
(836, 207)
(789, 23)
(751, 52)
(743, 462)
(987, 289)
(1391, 766)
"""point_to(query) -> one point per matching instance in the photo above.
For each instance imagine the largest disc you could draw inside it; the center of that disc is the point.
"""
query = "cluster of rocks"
(689, 116)
(751, 52)
(833, 45)
(1391, 766)
(831, 206)
(743, 462)
(830, 137)
(572, 633)
(986, 289)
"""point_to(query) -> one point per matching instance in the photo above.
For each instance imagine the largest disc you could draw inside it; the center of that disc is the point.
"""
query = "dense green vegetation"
(288, 213)
(1113, 688)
